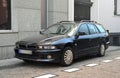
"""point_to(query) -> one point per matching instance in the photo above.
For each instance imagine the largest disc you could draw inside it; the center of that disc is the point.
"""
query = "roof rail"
(88, 21)
(65, 21)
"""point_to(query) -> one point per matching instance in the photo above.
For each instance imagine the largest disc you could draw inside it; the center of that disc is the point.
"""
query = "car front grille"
(31, 46)
(28, 46)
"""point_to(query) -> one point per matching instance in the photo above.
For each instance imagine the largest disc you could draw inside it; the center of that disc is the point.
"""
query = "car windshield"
(60, 29)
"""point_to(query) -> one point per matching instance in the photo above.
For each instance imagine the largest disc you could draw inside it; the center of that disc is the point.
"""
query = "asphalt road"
(15, 68)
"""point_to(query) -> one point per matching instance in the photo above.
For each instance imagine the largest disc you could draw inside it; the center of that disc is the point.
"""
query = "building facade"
(22, 18)
(107, 12)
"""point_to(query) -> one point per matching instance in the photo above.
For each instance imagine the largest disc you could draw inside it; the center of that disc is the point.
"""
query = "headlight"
(47, 47)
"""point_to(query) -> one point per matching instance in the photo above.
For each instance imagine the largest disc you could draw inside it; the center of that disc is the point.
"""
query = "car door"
(82, 41)
(94, 38)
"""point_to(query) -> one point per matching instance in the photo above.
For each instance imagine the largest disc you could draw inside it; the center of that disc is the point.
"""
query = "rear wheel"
(101, 50)
(67, 57)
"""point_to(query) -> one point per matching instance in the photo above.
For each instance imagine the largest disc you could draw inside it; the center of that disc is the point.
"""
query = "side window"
(93, 29)
(84, 28)
(101, 29)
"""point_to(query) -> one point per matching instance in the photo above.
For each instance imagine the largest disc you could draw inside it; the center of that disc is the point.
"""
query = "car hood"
(42, 39)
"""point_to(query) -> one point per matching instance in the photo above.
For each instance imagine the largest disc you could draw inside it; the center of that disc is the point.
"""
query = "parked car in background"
(63, 42)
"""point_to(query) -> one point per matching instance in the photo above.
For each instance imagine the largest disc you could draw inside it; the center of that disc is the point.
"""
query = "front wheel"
(101, 50)
(67, 57)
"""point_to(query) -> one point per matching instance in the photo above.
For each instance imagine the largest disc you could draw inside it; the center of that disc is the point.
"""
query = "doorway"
(82, 10)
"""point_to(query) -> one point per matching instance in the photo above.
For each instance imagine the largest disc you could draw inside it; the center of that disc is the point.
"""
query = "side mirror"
(79, 34)
(107, 31)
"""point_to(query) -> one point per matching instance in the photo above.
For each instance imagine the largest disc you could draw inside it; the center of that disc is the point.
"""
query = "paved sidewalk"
(104, 70)
(113, 48)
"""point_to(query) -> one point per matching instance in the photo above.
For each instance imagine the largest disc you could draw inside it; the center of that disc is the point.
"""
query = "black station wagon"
(63, 42)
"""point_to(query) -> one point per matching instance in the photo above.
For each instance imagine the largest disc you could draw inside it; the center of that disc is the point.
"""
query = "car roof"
(82, 21)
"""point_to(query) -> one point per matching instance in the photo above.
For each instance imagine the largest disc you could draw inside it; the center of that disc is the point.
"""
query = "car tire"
(101, 51)
(67, 57)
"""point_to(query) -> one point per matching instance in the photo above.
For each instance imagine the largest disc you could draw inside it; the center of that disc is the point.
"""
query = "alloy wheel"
(101, 50)
(68, 57)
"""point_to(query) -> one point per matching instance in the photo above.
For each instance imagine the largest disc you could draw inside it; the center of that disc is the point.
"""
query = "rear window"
(101, 29)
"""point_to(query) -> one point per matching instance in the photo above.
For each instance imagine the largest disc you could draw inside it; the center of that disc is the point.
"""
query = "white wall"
(103, 12)
(57, 11)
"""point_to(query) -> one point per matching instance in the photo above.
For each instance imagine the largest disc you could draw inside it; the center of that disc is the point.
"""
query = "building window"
(117, 7)
(5, 20)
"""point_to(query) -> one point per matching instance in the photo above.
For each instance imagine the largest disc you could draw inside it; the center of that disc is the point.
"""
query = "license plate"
(25, 51)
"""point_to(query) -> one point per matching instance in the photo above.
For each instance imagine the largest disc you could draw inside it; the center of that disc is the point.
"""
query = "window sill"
(117, 14)
(7, 31)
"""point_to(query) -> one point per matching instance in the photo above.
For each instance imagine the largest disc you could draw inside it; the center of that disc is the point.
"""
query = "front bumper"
(39, 55)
